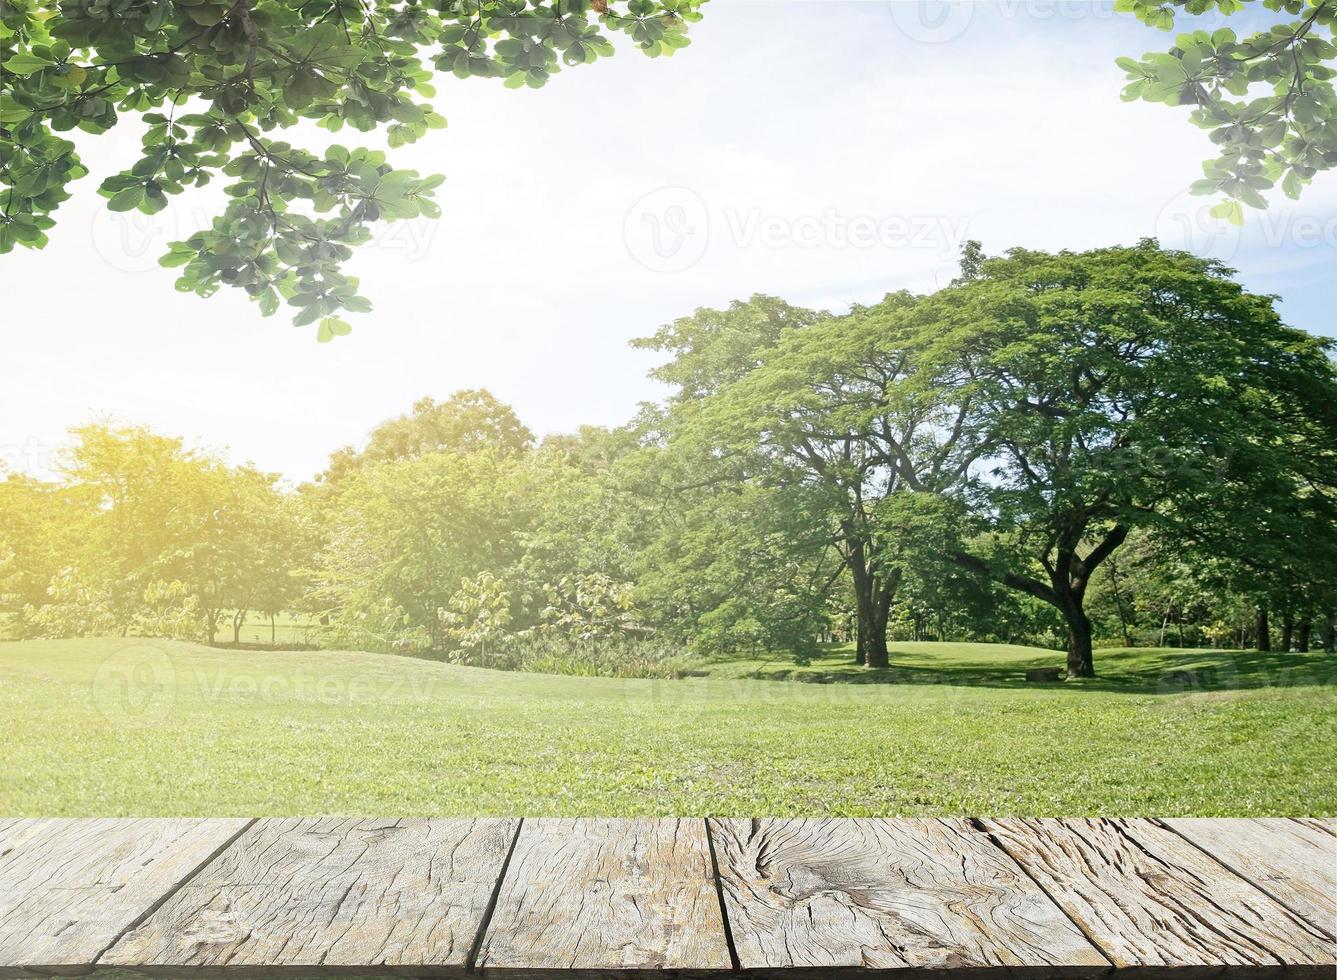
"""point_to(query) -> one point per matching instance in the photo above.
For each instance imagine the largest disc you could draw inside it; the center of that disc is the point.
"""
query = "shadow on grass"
(1131, 671)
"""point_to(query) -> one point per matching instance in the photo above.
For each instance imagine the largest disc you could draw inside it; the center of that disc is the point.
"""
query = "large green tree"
(836, 414)
(1129, 387)
(728, 560)
(215, 82)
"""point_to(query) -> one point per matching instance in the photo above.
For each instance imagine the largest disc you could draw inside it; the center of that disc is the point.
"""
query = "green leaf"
(128, 199)
(26, 64)
(1231, 211)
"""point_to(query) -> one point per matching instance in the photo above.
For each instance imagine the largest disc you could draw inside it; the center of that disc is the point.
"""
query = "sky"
(824, 152)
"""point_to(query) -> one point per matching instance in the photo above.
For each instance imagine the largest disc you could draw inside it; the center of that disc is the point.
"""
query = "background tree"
(710, 348)
(478, 616)
(833, 411)
(145, 535)
(405, 534)
(234, 562)
(1130, 387)
(732, 563)
(466, 421)
(213, 80)
(1267, 97)
(41, 526)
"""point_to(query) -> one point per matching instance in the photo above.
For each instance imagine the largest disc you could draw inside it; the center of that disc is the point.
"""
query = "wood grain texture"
(69, 888)
(1326, 824)
(1293, 862)
(606, 898)
(1153, 902)
(317, 896)
(888, 895)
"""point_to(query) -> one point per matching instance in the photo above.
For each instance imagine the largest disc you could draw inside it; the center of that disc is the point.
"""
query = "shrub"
(557, 653)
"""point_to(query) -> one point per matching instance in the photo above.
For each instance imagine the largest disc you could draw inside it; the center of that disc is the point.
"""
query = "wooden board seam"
(1323, 824)
(1240, 874)
(163, 899)
(978, 824)
(471, 961)
(734, 961)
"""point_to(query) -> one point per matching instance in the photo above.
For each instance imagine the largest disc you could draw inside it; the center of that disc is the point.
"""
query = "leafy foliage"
(1129, 387)
(1267, 97)
(1121, 443)
(466, 421)
(402, 536)
(145, 536)
(478, 615)
(215, 80)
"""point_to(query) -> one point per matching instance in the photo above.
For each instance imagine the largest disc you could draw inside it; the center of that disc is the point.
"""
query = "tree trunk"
(273, 630)
(238, 621)
(877, 645)
(1330, 633)
(1287, 631)
(868, 600)
(872, 634)
(860, 580)
(1306, 628)
(1081, 663)
(1264, 643)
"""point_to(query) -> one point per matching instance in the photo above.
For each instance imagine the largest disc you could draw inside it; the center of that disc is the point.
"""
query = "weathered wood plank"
(1325, 824)
(599, 897)
(69, 888)
(888, 895)
(1293, 862)
(1153, 902)
(318, 896)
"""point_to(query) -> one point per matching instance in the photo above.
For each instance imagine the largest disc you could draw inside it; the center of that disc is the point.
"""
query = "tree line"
(1115, 446)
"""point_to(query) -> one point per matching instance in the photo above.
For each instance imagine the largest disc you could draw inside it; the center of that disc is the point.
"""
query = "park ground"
(155, 727)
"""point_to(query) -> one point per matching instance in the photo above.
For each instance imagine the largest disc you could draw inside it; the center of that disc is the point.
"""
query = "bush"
(556, 653)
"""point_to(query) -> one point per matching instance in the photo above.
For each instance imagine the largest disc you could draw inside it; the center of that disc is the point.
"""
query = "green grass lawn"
(129, 726)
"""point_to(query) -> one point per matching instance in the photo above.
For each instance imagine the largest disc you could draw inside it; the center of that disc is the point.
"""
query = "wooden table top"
(677, 897)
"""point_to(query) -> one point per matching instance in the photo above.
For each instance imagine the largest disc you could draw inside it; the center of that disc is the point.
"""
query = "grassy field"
(91, 727)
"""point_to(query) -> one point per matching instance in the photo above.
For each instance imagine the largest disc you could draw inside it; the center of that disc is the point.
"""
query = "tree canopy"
(216, 81)
(1129, 387)
(467, 420)
(1054, 401)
